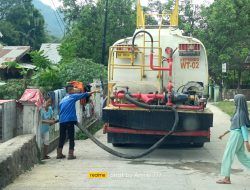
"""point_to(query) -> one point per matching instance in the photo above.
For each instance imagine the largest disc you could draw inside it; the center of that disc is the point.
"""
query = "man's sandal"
(60, 156)
(46, 157)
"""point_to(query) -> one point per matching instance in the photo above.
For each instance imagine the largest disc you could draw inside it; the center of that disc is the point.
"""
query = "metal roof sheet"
(50, 50)
(12, 53)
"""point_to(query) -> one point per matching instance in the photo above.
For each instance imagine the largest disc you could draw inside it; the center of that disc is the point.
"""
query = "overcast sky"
(143, 2)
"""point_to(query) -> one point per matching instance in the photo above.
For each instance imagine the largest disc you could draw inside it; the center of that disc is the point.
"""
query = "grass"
(93, 129)
(228, 107)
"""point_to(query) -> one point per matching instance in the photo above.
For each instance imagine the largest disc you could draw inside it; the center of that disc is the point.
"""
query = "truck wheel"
(198, 145)
(118, 144)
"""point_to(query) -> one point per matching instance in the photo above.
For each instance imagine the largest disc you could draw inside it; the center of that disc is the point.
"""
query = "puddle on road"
(204, 167)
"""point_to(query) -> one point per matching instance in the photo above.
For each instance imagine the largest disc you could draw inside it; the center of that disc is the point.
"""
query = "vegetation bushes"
(81, 69)
(226, 38)
(13, 89)
(50, 77)
(229, 107)
(85, 39)
(21, 24)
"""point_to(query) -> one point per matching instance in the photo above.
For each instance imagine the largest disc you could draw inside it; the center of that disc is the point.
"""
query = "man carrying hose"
(68, 118)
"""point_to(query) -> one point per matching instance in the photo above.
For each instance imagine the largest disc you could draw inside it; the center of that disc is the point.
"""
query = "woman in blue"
(238, 137)
(46, 114)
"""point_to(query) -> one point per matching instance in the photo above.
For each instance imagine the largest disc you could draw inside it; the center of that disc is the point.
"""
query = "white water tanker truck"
(156, 71)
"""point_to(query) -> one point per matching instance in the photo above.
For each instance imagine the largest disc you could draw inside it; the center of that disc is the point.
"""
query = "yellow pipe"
(175, 14)
(126, 66)
(109, 64)
(143, 55)
(113, 67)
(142, 58)
(113, 47)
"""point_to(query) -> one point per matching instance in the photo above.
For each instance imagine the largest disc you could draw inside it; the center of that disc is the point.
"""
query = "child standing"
(47, 119)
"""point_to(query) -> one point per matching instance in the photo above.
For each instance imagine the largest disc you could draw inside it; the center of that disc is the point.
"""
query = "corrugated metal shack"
(18, 54)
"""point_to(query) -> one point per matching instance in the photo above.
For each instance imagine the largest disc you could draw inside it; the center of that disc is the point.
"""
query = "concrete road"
(173, 169)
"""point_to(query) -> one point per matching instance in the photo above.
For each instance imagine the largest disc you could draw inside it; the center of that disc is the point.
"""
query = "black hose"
(149, 150)
(142, 31)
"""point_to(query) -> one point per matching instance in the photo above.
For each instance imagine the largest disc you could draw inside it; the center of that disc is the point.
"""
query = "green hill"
(51, 18)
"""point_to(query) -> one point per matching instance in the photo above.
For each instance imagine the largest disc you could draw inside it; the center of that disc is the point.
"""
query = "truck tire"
(198, 145)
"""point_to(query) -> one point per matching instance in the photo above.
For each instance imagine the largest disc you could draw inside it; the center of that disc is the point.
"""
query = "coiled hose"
(149, 150)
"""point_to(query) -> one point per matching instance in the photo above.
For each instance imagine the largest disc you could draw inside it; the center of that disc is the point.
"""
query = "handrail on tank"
(141, 16)
(112, 64)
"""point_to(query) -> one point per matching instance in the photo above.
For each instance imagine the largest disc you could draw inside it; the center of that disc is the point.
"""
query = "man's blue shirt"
(67, 107)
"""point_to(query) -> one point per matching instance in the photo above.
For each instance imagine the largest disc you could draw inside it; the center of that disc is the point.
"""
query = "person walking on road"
(238, 137)
(68, 118)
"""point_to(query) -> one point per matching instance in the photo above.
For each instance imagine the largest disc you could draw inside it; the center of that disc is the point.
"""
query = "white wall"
(8, 120)
(31, 121)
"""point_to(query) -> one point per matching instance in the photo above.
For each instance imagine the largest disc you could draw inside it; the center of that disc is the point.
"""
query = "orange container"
(79, 85)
